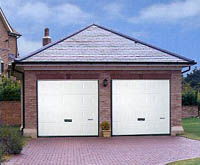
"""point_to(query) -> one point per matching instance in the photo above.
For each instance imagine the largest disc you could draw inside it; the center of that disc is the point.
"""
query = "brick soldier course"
(73, 58)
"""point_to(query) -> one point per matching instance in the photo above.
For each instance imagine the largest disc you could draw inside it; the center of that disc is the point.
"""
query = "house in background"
(71, 86)
(8, 44)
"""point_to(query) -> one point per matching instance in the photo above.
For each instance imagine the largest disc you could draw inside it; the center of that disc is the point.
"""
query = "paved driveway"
(116, 150)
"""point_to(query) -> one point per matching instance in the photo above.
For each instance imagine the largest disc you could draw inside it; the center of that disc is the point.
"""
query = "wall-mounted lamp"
(105, 82)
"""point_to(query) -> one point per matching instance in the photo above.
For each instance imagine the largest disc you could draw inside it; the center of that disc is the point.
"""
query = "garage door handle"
(90, 119)
(141, 119)
(162, 117)
(67, 120)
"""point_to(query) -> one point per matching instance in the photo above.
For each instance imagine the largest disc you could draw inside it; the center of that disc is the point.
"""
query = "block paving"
(120, 150)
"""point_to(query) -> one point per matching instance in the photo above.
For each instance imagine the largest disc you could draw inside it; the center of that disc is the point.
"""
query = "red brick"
(10, 112)
(104, 92)
(189, 111)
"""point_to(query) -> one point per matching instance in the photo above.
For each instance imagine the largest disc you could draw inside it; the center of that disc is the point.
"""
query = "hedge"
(10, 89)
(189, 98)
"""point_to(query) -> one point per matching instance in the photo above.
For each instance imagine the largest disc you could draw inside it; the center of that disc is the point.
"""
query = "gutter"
(104, 62)
(23, 96)
(189, 67)
(13, 34)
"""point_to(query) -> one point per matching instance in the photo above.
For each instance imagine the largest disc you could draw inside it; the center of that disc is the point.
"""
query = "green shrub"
(105, 125)
(10, 89)
(189, 95)
(11, 141)
(189, 98)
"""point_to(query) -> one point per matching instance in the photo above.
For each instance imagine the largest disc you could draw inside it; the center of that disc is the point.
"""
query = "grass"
(191, 128)
(6, 157)
(195, 161)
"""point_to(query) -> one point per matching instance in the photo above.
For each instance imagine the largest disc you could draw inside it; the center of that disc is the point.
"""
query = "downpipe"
(23, 98)
(187, 70)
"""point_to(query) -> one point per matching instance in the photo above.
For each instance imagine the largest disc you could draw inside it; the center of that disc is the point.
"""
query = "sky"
(173, 25)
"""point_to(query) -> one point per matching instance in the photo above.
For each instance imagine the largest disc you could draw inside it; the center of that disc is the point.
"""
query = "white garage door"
(68, 108)
(140, 107)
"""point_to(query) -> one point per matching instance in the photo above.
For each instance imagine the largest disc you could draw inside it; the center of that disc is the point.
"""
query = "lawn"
(191, 128)
(187, 162)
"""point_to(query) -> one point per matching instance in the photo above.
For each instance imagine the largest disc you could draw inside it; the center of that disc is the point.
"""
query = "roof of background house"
(9, 28)
(99, 44)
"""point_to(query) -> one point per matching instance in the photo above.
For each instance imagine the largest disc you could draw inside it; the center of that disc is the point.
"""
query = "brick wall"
(189, 111)
(104, 92)
(10, 112)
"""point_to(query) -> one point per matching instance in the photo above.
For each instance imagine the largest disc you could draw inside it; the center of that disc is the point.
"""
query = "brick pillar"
(104, 100)
(176, 103)
(30, 105)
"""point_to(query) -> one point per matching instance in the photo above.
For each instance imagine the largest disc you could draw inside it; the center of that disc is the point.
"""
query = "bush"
(11, 141)
(189, 98)
(10, 89)
(189, 95)
(105, 125)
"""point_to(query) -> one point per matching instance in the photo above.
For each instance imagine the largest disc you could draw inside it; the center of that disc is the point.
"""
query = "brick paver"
(116, 150)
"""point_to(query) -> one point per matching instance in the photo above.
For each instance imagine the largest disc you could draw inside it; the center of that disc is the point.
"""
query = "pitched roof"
(9, 28)
(98, 44)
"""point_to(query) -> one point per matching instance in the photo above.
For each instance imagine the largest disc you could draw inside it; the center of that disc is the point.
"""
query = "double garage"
(96, 74)
(71, 107)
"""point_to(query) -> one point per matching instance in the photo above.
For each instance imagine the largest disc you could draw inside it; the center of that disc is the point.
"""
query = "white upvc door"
(67, 108)
(140, 107)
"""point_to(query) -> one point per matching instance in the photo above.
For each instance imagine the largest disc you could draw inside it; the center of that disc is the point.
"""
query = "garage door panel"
(133, 99)
(92, 129)
(86, 100)
(46, 100)
(82, 87)
(89, 116)
(66, 113)
(90, 87)
(52, 87)
(58, 129)
(51, 117)
(126, 129)
(89, 100)
(72, 103)
(50, 103)
(48, 129)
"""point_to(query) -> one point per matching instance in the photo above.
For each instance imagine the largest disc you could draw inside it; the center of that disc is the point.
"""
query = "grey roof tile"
(97, 44)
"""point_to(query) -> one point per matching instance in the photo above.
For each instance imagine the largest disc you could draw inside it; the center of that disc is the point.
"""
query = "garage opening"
(67, 108)
(140, 107)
